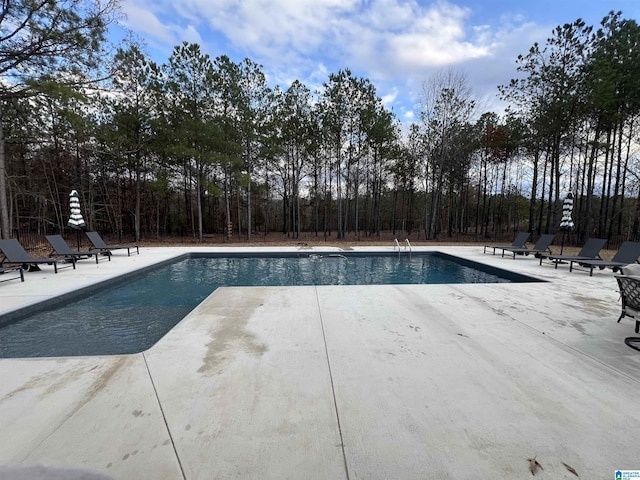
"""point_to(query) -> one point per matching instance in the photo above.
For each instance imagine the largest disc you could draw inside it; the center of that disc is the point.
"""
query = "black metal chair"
(519, 242)
(630, 296)
(97, 243)
(589, 251)
(62, 249)
(15, 254)
(627, 253)
(541, 247)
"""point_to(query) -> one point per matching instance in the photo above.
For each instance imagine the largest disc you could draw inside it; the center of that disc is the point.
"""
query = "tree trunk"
(249, 226)
(228, 228)
(199, 202)
(5, 227)
(534, 189)
(138, 205)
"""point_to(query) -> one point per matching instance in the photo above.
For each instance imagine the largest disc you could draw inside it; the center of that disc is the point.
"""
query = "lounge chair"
(626, 254)
(590, 251)
(62, 249)
(519, 242)
(17, 268)
(541, 246)
(98, 244)
(630, 296)
(14, 253)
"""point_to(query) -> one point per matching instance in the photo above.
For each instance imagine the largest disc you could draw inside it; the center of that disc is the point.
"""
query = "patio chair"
(626, 254)
(62, 249)
(630, 296)
(590, 251)
(17, 268)
(519, 242)
(15, 254)
(541, 246)
(98, 244)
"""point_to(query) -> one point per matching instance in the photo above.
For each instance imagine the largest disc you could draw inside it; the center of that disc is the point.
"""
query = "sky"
(399, 45)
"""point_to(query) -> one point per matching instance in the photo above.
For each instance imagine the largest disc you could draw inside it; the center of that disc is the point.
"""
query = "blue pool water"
(131, 316)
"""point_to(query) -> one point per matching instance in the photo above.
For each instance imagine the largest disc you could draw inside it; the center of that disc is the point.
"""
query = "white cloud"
(351, 31)
(390, 97)
(275, 27)
(190, 34)
(143, 21)
(397, 44)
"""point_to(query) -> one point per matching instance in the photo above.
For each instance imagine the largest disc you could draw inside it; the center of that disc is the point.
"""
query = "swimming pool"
(132, 315)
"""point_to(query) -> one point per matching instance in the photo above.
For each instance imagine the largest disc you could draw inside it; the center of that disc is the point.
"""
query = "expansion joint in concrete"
(333, 390)
(164, 418)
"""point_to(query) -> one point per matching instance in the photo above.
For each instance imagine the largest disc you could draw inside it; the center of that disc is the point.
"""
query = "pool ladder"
(407, 246)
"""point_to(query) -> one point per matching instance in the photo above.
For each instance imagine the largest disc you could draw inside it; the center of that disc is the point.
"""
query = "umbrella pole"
(562, 243)
(78, 238)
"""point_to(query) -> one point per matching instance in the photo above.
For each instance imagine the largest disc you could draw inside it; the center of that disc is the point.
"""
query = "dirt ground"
(311, 240)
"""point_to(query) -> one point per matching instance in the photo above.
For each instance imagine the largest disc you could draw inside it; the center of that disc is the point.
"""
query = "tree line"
(201, 145)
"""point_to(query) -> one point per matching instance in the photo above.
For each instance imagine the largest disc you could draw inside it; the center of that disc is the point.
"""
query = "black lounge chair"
(590, 251)
(17, 268)
(98, 244)
(626, 254)
(15, 254)
(519, 242)
(62, 249)
(541, 246)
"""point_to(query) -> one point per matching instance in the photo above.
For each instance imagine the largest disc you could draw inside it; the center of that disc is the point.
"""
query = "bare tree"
(447, 108)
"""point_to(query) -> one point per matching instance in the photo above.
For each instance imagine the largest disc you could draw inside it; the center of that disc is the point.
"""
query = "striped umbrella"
(75, 220)
(566, 223)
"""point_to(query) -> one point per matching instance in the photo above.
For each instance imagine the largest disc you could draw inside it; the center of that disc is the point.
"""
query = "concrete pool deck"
(340, 382)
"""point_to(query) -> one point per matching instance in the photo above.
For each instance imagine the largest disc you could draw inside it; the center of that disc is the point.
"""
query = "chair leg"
(637, 326)
(633, 342)
(621, 316)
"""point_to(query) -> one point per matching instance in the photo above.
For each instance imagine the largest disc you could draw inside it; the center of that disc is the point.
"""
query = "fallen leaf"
(571, 469)
(534, 465)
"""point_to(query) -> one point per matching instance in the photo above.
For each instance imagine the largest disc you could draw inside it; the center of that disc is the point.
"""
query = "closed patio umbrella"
(566, 223)
(75, 220)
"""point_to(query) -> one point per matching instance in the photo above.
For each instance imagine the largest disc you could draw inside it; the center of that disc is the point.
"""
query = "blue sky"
(397, 44)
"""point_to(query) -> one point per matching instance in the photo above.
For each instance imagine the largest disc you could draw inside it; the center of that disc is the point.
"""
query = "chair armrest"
(629, 290)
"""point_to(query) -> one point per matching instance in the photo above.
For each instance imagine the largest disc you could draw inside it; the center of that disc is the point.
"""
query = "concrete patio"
(340, 382)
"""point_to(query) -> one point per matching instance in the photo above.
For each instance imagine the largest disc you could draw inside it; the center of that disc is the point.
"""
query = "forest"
(199, 145)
